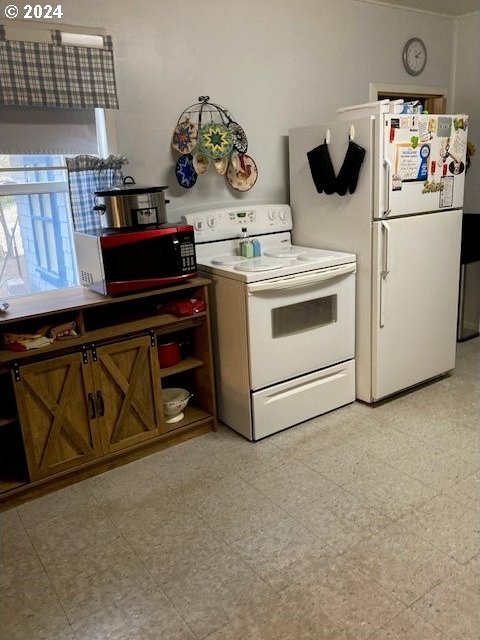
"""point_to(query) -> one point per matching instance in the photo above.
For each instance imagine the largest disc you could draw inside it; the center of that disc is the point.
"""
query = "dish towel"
(321, 168)
(348, 175)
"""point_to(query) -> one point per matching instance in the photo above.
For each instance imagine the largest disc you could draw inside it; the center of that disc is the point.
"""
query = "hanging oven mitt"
(348, 175)
(321, 169)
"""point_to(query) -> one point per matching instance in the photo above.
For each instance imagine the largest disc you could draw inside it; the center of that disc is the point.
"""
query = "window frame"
(106, 145)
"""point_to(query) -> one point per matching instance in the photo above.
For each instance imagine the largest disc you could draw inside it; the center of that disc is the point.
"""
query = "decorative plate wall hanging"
(185, 137)
(206, 134)
(185, 172)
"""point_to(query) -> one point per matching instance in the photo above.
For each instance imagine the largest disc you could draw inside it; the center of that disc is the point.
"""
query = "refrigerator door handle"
(385, 271)
(386, 244)
(388, 178)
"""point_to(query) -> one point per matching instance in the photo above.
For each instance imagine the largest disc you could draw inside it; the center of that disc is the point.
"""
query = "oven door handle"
(302, 280)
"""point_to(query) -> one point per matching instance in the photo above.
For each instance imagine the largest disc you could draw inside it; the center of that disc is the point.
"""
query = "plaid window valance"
(42, 74)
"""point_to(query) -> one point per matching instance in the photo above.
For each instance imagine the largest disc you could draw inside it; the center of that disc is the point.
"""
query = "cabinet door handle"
(91, 402)
(100, 404)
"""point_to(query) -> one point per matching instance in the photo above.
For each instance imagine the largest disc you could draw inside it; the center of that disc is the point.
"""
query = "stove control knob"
(212, 222)
(283, 215)
(272, 214)
(198, 225)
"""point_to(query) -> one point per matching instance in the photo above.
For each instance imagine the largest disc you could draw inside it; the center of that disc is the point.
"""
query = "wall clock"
(415, 56)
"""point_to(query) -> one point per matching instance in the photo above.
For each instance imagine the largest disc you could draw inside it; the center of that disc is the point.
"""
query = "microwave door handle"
(303, 280)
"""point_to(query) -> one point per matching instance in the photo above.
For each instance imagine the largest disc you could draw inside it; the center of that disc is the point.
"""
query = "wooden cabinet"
(96, 399)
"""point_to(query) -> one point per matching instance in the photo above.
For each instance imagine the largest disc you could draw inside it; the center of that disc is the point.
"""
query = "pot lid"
(129, 189)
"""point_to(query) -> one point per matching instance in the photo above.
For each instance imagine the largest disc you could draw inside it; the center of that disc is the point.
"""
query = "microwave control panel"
(187, 253)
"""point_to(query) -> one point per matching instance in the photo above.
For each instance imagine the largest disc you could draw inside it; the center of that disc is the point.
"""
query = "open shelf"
(185, 365)
(192, 414)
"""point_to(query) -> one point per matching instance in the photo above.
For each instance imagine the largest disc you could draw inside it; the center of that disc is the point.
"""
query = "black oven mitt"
(321, 169)
(348, 175)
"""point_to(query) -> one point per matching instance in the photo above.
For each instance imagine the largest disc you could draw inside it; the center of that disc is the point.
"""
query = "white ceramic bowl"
(174, 402)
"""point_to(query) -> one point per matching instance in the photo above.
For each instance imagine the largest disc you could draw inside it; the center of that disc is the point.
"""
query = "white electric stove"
(283, 323)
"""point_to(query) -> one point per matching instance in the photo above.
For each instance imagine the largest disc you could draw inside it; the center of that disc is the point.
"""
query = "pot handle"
(129, 180)
(99, 207)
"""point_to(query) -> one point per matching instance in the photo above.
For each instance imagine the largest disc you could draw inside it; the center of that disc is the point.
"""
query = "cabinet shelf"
(192, 414)
(6, 420)
(184, 365)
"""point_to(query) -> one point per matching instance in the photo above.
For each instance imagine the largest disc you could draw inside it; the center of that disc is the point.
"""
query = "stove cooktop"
(276, 261)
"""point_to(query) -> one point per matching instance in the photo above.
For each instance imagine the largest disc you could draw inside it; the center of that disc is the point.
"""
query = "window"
(36, 231)
(55, 87)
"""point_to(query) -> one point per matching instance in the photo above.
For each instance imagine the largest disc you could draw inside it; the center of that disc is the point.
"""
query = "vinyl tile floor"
(361, 523)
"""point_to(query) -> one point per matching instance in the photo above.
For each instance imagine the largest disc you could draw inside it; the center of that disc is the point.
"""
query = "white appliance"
(403, 222)
(283, 323)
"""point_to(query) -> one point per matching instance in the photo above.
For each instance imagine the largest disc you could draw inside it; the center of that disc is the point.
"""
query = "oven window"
(304, 316)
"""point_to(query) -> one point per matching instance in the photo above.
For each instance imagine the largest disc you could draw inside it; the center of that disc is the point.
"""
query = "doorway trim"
(408, 89)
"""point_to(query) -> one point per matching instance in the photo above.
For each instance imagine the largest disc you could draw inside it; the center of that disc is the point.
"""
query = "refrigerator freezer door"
(416, 267)
(423, 163)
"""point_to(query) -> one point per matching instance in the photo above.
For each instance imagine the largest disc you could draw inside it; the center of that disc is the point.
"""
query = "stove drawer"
(303, 398)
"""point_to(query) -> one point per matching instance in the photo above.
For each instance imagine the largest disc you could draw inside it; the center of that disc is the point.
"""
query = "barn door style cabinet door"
(56, 403)
(127, 393)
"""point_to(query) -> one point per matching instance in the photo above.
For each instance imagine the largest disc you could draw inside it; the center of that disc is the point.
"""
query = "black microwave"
(116, 261)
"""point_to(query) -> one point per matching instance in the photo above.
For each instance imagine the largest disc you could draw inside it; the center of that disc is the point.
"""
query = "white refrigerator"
(403, 221)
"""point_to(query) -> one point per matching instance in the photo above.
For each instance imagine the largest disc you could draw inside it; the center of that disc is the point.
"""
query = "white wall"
(466, 95)
(275, 64)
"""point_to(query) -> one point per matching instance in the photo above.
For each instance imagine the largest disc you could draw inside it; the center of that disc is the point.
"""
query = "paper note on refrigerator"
(458, 144)
(411, 162)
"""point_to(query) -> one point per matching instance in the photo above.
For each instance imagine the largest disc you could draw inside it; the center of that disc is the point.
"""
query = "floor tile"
(172, 549)
(283, 551)
(405, 565)
(331, 428)
(385, 443)
(433, 466)
(466, 492)
(216, 590)
(141, 615)
(70, 501)
(18, 559)
(408, 626)
(391, 491)
(454, 605)
(62, 537)
(452, 528)
(90, 581)
(291, 485)
(272, 621)
(462, 443)
(341, 602)
(343, 463)
(342, 522)
(31, 610)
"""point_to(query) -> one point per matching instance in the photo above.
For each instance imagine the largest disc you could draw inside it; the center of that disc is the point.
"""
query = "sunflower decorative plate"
(185, 137)
(185, 172)
(215, 140)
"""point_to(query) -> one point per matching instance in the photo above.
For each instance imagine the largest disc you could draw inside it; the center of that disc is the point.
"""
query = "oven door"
(300, 323)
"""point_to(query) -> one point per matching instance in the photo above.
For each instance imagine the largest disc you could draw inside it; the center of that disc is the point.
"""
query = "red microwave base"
(131, 286)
